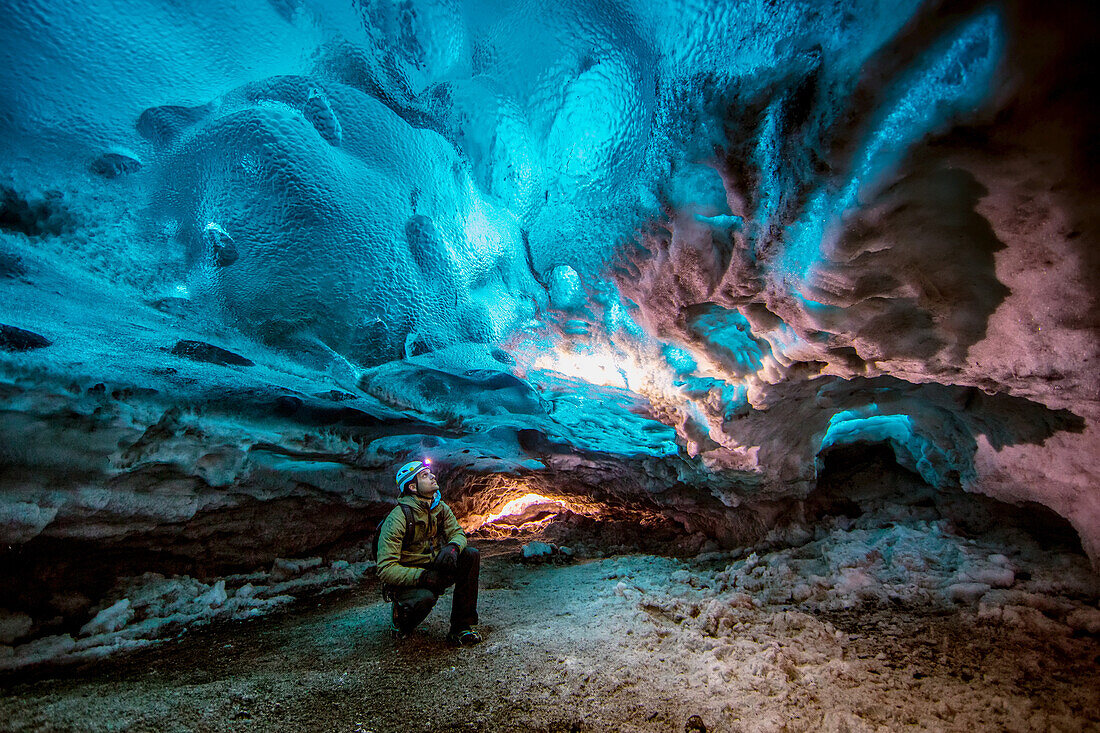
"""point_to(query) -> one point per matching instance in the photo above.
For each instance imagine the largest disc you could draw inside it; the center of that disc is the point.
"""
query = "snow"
(214, 597)
(967, 592)
(155, 608)
(109, 619)
(284, 569)
(854, 629)
(908, 566)
(995, 577)
(873, 562)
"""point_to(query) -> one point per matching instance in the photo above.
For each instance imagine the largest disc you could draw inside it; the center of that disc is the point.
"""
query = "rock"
(695, 724)
(70, 603)
(18, 339)
(13, 625)
(565, 288)
(22, 520)
(710, 547)
(202, 351)
(966, 592)
(502, 356)
(538, 551)
(1033, 621)
(109, 619)
(115, 164)
(1084, 619)
(630, 592)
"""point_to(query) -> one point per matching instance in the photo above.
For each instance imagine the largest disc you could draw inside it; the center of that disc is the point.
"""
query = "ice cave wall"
(663, 255)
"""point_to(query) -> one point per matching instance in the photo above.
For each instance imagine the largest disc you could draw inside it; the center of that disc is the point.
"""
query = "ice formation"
(635, 257)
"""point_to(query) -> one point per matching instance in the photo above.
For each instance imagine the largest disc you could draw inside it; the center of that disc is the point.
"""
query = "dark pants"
(412, 604)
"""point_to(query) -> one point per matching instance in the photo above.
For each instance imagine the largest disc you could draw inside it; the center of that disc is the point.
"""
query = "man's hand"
(431, 579)
(447, 559)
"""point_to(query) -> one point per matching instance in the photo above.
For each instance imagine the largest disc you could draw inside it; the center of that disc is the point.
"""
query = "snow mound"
(150, 608)
(919, 566)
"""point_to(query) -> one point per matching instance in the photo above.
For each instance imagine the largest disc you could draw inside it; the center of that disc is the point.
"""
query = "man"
(421, 552)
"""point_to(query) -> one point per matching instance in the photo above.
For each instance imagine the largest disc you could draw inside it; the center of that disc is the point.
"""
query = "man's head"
(416, 477)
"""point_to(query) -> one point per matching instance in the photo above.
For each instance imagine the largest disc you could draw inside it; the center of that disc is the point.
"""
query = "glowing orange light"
(519, 505)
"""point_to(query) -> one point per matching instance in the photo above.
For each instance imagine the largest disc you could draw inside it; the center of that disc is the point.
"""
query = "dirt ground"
(583, 647)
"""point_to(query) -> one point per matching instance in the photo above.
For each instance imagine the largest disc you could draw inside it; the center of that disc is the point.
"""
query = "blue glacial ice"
(340, 189)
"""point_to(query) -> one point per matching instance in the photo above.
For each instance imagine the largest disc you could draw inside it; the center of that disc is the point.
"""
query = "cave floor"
(593, 646)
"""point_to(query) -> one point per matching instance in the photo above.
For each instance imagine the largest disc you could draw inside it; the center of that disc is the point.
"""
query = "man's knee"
(417, 599)
(469, 557)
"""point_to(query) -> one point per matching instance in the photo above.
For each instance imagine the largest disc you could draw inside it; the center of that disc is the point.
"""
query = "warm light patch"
(521, 511)
(519, 505)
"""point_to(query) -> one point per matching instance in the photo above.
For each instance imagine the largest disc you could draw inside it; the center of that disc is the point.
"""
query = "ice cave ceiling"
(663, 256)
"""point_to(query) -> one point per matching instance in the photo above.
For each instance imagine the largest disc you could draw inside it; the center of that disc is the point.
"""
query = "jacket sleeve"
(452, 531)
(390, 569)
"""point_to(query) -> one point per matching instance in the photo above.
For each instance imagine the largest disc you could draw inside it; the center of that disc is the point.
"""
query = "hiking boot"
(464, 637)
(396, 619)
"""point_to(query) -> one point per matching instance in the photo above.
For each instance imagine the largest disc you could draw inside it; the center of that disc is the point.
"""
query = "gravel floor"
(584, 647)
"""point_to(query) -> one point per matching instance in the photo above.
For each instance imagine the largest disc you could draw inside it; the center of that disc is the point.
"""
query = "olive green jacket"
(404, 567)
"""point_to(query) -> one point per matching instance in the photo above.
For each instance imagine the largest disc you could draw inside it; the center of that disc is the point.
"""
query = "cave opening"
(509, 513)
(524, 513)
(853, 475)
(866, 478)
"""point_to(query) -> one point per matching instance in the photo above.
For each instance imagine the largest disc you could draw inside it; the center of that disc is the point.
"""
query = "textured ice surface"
(647, 231)
(391, 177)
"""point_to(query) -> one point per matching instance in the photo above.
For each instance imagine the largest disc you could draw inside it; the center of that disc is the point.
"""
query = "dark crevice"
(32, 215)
(48, 577)
(863, 478)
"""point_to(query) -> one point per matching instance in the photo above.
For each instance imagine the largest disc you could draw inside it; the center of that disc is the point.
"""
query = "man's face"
(426, 485)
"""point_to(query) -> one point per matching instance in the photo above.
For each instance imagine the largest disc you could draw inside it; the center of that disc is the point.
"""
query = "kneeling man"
(422, 551)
